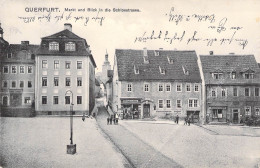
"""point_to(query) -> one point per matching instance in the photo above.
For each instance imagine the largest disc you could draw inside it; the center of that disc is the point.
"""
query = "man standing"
(177, 119)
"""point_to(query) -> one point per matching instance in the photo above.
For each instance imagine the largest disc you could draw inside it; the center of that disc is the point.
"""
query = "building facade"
(150, 83)
(232, 87)
(17, 80)
(65, 74)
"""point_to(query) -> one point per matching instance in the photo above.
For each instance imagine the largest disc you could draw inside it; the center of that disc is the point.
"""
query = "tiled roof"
(62, 37)
(227, 64)
(128, 60)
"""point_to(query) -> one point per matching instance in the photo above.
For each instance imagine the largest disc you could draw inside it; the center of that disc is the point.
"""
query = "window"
(28, 55)
(217, 113)
(70, 46)
(160, 87)
(29, 84)
(178, 103)
(44, 64)
(257, 92)
(56, 64)
(160, 103)
(257, 111)
(27, 100)
(248, 110)
(44, 99)
(233, 75)
(129, 87)
(67, 81)
(79, 64)
(188, 88)
(13, 84)
(79, 81)
(5, 101)
(217, 75)
(21, 69)
(56, 81)
(247, 92)
(44, 81)
(79, 99)
(193, 103)
(21, 84)
(54, 46)
(235, 92)
(29, 69)
(178, 87)
(67, 64)
(13, 69)
(5, 69)
(55, 100)
(67, 99)
(168, 103)
(249, 75)
(196, 87)
(213, 93)
(4, 84)
(223, 92)
(168, 87)
(9, 55)
(146, 87)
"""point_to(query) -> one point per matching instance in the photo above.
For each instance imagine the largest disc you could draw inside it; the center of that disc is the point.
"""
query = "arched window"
(70, 46)
(54, 46)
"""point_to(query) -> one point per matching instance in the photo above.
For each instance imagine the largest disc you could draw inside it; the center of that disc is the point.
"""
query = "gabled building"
(65, 74)
(157, 83)
(232, 87)
(17, 78)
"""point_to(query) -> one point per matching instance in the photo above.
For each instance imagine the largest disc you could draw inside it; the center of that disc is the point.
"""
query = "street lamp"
(71, 148)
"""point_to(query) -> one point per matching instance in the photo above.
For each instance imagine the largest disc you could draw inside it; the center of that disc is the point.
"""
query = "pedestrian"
(177, 119)
(110, 120)
(83, 117)
(116, 118)
(189, 121)
(107, 120)
(185, 121)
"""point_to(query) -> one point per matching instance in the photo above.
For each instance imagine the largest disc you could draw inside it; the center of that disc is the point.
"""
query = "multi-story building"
(232, 87)
(17, 79)
(157, 83)
(65, 74)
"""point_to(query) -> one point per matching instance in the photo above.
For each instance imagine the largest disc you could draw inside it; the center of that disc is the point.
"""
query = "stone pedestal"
(71, 149)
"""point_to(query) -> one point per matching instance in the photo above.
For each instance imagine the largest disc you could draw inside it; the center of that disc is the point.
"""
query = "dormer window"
(162, 70)
(156, 53)
(9, 55)
(233, 75)
(217, 75)
(146, 61)
(54, 46)
(170, 60)
(70, 46)
(249, 75)
(136, 69)
(185, 71)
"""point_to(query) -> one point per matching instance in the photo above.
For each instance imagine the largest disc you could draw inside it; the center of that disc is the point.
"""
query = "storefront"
(131, 108)
(194, 116)
(218, 113)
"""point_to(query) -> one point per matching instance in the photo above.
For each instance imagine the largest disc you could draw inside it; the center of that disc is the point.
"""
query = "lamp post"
(71, 148)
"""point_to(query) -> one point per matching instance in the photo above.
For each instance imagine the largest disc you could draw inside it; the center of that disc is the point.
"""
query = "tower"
(105, 67)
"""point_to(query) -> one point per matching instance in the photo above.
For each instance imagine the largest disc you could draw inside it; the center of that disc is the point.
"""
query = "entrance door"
(5, 101)
(235, 116)
(146, 110)
(16, 99)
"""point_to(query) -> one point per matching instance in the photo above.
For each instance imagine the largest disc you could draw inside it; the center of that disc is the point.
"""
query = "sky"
(226, 26)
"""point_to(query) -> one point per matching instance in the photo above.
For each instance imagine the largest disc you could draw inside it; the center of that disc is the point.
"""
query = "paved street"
(41, 142)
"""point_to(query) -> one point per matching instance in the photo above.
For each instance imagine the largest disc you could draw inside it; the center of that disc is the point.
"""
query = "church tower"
(105, 67)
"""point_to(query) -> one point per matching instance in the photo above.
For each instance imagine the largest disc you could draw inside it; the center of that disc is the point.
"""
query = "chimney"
(25, 42)
(211, 52)
(145, 52)
(1, 32)
(68, 26)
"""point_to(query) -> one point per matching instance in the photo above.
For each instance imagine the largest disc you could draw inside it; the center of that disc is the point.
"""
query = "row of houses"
(217, 88)
(47, 79)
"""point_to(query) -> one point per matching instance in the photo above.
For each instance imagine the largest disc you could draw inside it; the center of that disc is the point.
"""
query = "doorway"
(146, 110)
(235, 116)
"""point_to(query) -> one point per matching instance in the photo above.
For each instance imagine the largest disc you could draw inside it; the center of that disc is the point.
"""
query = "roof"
(62, 37)
(128, 60)
(227, 64)
(3, 45)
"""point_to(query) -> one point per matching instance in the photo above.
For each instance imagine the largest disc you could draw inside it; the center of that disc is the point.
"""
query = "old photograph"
(130, 84)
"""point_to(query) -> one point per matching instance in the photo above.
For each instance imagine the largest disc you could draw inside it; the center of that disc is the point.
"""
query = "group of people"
(187, 120)
(113, 118)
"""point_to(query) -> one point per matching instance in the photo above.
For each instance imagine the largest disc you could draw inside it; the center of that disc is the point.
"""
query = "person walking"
(110, 120)
(189, 121)
(177, 119)
(107, 120)
(83, 117)
(116, 116)
(185, 121)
